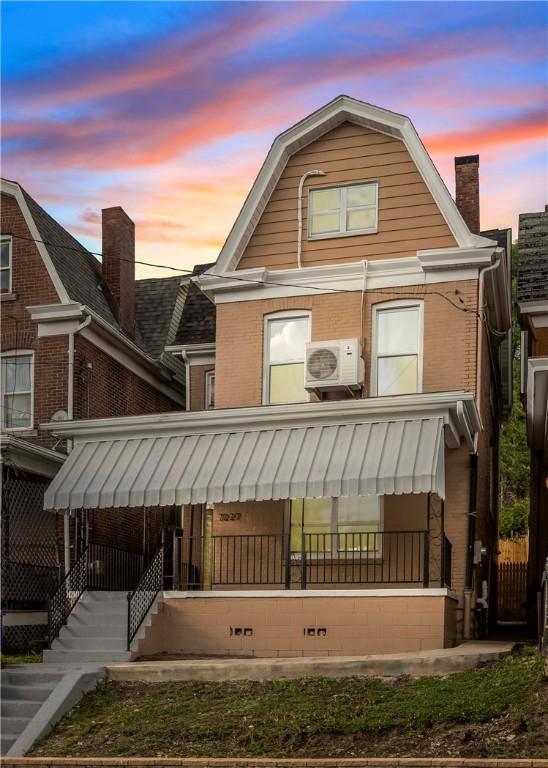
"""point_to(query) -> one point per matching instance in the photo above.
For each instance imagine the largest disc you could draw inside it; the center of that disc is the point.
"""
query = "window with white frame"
(16, 386)
(347, 210)
(5, 264)
(285, 343)
(210, 390)
(345, 524)
(397, 367)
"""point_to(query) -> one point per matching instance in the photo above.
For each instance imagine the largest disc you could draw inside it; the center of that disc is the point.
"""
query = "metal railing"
(62, 602)
(112, 569)
(140, 599)
(99, 567)
(284, 561)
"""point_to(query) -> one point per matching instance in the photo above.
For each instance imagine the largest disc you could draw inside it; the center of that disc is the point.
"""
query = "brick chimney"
(467, 190)
(119, 263)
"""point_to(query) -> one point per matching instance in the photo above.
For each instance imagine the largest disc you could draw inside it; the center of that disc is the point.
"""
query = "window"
(346, 524)
(397, 366)
(5, 265)
(342, 210)
(285, 341)
(210, 390)
(17, 375)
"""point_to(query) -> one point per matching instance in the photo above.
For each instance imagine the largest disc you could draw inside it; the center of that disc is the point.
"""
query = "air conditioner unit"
(334, 365)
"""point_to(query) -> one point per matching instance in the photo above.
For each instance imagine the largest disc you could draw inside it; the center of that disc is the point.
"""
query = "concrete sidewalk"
(417, 664)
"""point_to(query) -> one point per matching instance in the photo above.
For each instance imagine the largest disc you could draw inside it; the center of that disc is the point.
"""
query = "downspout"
(70, 416)
(472, 511)
(70, 388)
(304, 177)
(187, 380)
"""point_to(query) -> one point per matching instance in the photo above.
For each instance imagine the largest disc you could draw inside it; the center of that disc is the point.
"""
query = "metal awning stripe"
(384, 457)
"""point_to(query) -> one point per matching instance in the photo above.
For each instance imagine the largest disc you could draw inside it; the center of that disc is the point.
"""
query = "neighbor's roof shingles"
(533, 257)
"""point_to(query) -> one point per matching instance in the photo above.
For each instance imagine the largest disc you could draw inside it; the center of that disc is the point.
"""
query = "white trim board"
(300, 593)
(457, 409)
(341, 109)
(427, 268)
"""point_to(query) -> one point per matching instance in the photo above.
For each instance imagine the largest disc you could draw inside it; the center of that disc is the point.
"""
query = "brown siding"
(449, 337)
(409, 219)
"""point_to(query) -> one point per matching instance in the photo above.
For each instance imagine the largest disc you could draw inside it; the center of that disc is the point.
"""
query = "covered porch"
(329, 500)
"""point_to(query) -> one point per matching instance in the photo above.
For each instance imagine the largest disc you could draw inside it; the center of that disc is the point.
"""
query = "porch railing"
(99, 567)
(141, 598)
(314, 559)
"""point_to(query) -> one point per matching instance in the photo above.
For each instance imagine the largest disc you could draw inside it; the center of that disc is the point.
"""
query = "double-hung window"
(346, 524)
(397, 366)
(17, 381)
(348, 210)
(5, 264)
(285, 342)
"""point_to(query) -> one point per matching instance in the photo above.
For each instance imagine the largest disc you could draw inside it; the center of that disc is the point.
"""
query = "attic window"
(336, 211)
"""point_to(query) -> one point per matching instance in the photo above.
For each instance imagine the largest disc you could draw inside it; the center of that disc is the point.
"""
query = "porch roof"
(402, 455)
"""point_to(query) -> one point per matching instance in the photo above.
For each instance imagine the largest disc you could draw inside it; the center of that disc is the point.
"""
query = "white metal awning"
(377, 457)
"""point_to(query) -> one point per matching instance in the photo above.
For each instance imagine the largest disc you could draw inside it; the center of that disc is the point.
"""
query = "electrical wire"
(323, 289)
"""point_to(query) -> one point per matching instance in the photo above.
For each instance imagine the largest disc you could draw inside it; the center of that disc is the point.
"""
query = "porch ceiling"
(377, 457)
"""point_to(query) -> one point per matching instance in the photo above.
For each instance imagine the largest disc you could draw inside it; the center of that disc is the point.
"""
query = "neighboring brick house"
(78, 340)
(341, 496)
(532, 299)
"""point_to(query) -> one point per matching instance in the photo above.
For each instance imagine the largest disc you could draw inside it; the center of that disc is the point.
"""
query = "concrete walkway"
(418, 664)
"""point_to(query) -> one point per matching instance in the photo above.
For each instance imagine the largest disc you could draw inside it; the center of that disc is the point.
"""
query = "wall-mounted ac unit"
(334, 365)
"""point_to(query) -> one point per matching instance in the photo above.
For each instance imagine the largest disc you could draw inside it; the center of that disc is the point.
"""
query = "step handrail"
(64, 599)
(140, 600)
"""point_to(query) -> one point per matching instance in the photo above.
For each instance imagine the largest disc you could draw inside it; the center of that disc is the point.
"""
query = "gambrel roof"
(341, 109)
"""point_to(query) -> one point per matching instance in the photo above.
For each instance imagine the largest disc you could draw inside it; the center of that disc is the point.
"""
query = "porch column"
(66, 540)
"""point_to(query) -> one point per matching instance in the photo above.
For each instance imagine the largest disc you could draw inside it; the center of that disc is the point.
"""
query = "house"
(341, 495)
(532, 299)
(79, 340)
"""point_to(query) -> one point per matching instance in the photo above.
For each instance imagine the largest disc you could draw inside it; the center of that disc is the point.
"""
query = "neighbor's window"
(16, 390)
(5, 265)
(346, 524)
(343, 210)
(397, 350)
(285, 342)
(210, 390)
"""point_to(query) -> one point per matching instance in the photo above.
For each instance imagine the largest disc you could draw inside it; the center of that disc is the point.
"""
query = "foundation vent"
(241, 631)
(315, 631)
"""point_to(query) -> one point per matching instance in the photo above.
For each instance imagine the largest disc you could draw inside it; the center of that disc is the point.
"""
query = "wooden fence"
(512, 591)
(514, 549)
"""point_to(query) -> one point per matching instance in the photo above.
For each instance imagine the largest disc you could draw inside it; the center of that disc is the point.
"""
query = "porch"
(411, 550)
(339, 501)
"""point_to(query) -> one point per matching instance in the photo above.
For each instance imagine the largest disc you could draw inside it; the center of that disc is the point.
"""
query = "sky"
(169, 108)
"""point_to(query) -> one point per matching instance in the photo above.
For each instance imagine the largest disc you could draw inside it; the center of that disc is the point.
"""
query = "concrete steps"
(95, 632)
(24, 692)
(36, 696)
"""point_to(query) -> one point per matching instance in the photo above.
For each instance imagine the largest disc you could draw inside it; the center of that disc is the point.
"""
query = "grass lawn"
(27, 658)
(499, 710)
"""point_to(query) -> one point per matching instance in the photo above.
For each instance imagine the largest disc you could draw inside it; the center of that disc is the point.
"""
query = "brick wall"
(104, 387)
(353, 625)
(197, 386)
(449, 337)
